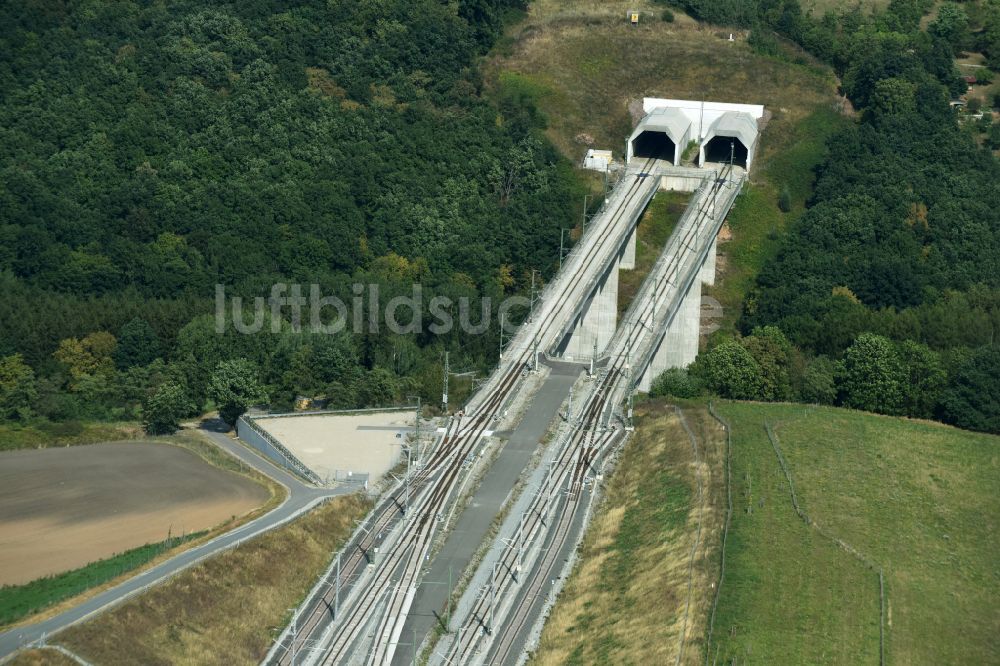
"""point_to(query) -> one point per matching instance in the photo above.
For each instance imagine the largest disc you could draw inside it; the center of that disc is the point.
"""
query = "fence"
(725, 529)
(263, 441)
(836, 540)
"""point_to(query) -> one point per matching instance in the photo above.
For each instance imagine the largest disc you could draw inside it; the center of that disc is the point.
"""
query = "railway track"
(565, 487)
(391, 581)
(641, 331)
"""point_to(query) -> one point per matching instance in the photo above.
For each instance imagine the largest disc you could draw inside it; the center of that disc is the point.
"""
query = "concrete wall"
(681, 183)
(254, 439)
(273, 450)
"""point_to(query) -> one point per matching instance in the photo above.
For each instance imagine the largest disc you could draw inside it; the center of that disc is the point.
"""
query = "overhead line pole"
(444, 392)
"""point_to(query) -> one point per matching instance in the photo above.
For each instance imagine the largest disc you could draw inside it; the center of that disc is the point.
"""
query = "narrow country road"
(301, 497)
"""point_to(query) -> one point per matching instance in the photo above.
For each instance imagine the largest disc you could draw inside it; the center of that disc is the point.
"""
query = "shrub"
(785, 200)
(164, 409)
(731, 371)
(62, 429)
(667, 16)
(763, 42)
(676, 383)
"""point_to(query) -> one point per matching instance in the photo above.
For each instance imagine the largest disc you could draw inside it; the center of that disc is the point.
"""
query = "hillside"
(916, 499)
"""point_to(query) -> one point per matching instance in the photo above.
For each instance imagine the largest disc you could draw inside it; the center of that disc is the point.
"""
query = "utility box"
(598, 160)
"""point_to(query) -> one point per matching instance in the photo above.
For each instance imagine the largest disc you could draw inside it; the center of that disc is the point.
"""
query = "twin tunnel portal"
(722, 149)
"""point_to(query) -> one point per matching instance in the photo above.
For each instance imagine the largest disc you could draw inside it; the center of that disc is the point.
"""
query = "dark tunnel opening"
(720, 147)
(654, 144)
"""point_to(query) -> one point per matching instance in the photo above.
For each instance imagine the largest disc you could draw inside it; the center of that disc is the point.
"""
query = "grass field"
(222, 610)
(628, 599)
(917, 499)
(69, 433)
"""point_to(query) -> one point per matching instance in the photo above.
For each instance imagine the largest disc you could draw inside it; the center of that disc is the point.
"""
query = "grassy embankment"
(657, 533)
(916, 499)
(52, 594)
(70, 433)
(223, 610)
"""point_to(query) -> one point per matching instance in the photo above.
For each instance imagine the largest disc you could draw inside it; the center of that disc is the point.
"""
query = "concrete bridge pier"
(707, 274)
(599, 320)
(627, 260)
(679, 346)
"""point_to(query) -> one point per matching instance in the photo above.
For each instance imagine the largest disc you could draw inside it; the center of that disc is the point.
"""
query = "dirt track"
(63, 508)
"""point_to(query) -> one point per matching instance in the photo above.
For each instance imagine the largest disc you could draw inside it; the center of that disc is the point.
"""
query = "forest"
(150, 151)
(884, 294)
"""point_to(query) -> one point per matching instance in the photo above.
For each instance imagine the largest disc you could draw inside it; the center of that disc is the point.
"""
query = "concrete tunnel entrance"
(719, 148)
(654, 144)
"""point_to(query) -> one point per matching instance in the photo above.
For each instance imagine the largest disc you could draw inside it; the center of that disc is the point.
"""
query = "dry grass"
(584, 63)
(625, 601)
(225, 609)
(42, 657)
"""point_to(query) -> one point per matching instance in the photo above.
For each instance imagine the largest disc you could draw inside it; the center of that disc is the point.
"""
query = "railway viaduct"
(385, 615)
(359, 608)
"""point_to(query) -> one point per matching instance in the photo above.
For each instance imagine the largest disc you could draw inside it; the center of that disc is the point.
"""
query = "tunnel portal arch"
(733, 134)
(663, 133)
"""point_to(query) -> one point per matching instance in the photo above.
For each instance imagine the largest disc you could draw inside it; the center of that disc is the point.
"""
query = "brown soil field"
(64, 508)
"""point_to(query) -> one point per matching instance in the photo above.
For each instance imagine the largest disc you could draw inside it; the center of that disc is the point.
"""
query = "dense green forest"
(149, 151)
(884, 294)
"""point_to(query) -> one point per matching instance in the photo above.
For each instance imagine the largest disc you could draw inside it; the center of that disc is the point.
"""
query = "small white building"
(723, 131)
(598, 160)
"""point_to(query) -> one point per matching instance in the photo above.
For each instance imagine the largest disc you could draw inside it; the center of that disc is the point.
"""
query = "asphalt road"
(301, 497)
(475, 520)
